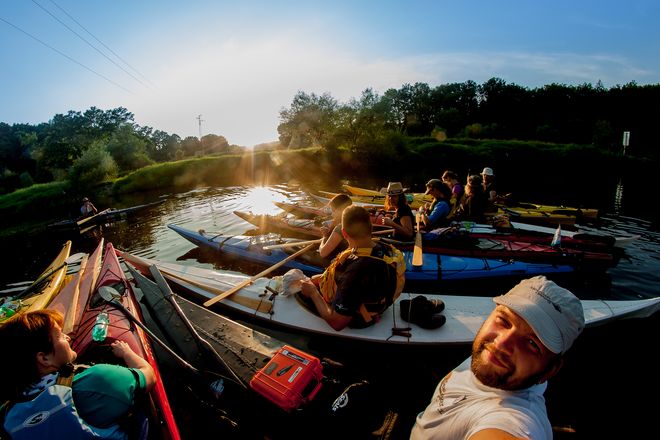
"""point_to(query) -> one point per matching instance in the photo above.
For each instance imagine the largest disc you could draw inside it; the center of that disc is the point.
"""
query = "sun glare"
(261, 200)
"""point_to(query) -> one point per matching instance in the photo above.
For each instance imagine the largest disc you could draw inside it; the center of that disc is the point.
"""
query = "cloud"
(239, 85)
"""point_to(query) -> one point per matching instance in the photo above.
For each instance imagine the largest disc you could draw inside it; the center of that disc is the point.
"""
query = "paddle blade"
(556, 240)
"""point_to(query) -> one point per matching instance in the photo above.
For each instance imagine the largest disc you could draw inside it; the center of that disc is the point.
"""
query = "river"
(600, 390)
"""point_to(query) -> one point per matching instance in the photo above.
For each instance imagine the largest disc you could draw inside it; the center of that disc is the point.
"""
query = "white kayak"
(261, 301)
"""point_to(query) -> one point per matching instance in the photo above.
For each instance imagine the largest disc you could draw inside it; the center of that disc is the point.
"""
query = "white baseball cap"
(554, 313)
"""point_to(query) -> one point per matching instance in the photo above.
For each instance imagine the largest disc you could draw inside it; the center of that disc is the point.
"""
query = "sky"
(192, 67)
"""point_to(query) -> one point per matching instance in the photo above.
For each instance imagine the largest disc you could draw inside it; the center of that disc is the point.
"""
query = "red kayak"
(120, 327)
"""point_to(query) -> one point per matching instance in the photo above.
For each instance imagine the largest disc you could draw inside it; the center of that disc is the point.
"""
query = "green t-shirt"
(105, 393)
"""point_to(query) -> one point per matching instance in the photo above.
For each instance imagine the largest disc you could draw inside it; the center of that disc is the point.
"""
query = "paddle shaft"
(41, 279)
(249, 281)
(119, 306)
(418, 258)
(318, 240)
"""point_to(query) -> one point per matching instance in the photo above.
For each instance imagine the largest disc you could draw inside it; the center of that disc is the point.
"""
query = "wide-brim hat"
(394, 188)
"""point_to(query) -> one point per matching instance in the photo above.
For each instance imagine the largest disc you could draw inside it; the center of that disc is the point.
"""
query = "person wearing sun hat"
(498, 391)
(488, 177)
(402, 221)
(87, 209)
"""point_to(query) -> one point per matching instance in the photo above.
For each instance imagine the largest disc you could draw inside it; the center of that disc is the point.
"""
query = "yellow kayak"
(552, 213)
(55, 274)
(369, 196)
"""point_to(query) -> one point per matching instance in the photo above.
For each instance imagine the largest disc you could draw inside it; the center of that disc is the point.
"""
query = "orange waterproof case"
(290, 379)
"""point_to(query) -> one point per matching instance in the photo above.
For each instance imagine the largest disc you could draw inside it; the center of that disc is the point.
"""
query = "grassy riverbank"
(550, 173)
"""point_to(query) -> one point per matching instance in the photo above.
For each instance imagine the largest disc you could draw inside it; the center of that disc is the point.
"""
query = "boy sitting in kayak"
(362, 281)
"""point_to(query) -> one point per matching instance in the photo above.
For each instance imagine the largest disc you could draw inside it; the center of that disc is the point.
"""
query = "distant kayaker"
(498, 391)
(333, 241)
(361, 282)
(488, 177)
(47, 400)
(87, 209)
(403, 220)
(434, 215)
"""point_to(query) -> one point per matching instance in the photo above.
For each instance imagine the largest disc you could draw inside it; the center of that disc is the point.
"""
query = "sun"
(261, 200)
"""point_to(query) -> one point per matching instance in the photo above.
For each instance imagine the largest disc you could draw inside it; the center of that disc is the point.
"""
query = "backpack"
(390, 256)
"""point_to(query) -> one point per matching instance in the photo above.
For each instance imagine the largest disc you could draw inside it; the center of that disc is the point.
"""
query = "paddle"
(249, 281)
(418, 259)
(292, 244)
(87, 219)
(110, 293)
(318, 240)
(39, 281)
(169, 296)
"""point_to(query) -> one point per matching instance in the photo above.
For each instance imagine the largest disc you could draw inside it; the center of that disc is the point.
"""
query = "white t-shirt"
(466, 406)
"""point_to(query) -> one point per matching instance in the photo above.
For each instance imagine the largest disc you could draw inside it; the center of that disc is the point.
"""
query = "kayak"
(121, 327)
(70, 302)
(304, 211)
(44, 289)
(287, 225)
(464, 314)
(416, 199)
(514, 213)
(435, 267)
(582, 238)
(109, 214)
(586, 213)
(215, 344)
(466, 241)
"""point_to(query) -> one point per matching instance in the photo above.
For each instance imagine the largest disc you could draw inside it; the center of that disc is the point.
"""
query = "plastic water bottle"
(100, 330)
(9, 308)
(6, 312)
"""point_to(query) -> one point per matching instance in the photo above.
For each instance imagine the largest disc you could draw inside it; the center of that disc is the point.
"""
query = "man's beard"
(490, 375)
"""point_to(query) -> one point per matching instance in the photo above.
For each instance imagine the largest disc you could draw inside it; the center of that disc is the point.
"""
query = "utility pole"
(200, 120)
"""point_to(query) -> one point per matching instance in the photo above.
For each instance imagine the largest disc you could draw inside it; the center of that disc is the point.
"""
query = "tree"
(128, 150)
(309, 121)
(212, 143)
(94, 166)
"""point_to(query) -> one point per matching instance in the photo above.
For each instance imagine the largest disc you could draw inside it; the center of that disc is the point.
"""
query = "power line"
(67, 56)
(101, 42)
(88, 43)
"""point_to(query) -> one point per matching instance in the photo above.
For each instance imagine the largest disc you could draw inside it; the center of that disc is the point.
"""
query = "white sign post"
(626, 141)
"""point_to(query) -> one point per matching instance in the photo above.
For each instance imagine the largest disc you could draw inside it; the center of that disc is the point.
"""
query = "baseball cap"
(554, 313)
(433, 183)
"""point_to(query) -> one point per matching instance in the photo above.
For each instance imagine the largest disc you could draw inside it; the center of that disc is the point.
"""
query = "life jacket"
(52, 415)
(391, 256)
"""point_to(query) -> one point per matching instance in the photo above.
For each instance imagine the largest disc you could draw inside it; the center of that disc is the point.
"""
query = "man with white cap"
(488, 178)
(497, 393)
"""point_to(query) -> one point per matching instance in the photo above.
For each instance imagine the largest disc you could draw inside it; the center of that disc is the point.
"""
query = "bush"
(93, 167)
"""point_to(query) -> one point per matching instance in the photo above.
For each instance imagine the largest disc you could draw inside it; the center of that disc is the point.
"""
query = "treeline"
(370, 131)
(583, 115)
(90, 148)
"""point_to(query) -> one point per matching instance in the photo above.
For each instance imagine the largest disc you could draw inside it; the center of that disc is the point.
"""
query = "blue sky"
(237, 63)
